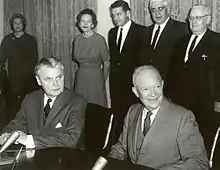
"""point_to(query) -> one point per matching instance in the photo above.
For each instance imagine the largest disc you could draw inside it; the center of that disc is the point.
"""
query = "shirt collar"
(162, 25)
(199, 36)
(153, 111)
(46, 98)
(126, 26)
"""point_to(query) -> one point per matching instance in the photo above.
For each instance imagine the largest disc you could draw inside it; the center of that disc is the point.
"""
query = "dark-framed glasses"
(159, 9)
(196, 18)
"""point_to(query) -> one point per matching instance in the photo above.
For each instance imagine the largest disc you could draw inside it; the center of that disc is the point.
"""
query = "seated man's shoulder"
(178, 110)
(69, 93)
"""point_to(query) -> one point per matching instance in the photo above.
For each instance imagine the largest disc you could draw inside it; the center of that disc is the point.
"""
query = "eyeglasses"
(159, 9)
(197, 18)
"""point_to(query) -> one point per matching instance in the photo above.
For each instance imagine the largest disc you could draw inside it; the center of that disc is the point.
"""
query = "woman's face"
(17, 25)
(86, 23)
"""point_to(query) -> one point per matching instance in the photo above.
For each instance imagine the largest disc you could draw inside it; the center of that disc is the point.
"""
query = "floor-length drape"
(52, 22)
(180, 8)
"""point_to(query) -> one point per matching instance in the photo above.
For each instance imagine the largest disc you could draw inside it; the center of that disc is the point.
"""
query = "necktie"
(119, 39)
(47, 108)
(192, 45)
(155, 37)
(147, 123)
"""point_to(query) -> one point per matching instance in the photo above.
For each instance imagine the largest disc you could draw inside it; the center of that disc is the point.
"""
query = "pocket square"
(58, 125)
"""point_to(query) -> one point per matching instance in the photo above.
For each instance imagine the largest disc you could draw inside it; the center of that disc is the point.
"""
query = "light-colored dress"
(90, 53)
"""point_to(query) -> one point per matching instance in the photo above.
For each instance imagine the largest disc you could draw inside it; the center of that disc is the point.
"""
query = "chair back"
(214, 147)
(98, 127)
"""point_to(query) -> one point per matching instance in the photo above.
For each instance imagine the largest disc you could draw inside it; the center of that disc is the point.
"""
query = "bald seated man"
(158, 133)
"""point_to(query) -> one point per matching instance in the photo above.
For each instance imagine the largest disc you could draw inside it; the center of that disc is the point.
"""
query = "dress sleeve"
(103, 50)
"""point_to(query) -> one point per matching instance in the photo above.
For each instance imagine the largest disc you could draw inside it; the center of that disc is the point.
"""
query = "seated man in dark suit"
(52, 116)
(159, 133)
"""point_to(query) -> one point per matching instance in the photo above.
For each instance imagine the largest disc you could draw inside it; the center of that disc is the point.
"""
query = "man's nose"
(152, 92)
(55, 83)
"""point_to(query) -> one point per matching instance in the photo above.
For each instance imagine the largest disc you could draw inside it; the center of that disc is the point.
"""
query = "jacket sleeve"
(119, 150)
(191, 146)
(19, 122)
(70, 135)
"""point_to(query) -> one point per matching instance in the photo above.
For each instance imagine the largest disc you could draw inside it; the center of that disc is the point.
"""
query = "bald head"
(146, 72)
(204, 9)
(163, 2)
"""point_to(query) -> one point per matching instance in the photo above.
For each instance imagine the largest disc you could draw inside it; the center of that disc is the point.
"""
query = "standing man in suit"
(159, 133)
(193, 79)
(51, 117)
(161, 36)
(124, 45)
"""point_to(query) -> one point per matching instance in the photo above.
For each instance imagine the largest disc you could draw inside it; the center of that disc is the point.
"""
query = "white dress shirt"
(152, 117)
(190, 42)
(162, 26)
(125, 28)
(30, 139)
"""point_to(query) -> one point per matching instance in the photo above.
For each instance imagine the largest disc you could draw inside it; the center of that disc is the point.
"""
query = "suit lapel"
(58, 104)
(134, 135)
(128, 37)
(165, 32)
(156, 126)
(40, 109)
(200, 46)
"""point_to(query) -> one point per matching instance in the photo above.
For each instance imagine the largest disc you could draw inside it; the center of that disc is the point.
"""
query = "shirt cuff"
(30, 142)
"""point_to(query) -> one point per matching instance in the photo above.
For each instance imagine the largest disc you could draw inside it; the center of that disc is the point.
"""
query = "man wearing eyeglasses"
(193, 78)
(161, 36)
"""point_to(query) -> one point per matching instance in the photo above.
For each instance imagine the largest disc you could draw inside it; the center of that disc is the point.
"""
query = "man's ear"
(135, 91)
(128, 13)
(208, 20)
(38, 80)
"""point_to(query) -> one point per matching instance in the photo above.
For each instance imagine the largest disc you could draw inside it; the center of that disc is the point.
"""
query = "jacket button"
(118, 64)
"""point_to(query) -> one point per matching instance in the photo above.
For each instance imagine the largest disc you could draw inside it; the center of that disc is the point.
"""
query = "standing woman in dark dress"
(92, 57)
(19, 52)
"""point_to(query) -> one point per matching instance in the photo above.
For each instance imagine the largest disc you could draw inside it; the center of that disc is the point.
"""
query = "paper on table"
(6, 160)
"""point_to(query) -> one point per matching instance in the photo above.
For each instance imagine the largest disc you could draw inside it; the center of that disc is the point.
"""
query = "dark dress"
(22, 56)
(90, 53)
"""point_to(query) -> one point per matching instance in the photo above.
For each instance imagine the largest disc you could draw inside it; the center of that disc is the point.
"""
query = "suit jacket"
(173, 141)
(123, 64)
(68, 111)
(196, 83)
(160, 56)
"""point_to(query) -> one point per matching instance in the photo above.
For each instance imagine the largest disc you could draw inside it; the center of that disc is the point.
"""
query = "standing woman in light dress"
(92, 57)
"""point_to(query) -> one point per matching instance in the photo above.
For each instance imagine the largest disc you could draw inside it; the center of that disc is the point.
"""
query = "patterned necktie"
(147, 122)
(119, 39)
(155, 37)
(47, 107)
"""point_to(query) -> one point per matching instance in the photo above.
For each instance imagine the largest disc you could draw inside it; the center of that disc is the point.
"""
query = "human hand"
(22, 138)
(4, 137)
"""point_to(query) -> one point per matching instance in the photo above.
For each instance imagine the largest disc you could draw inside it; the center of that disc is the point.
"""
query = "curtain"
(52, 22)
(180, 8)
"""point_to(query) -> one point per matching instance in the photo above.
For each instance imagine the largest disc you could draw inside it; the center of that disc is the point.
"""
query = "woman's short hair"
(20, 16)
(89, 12)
